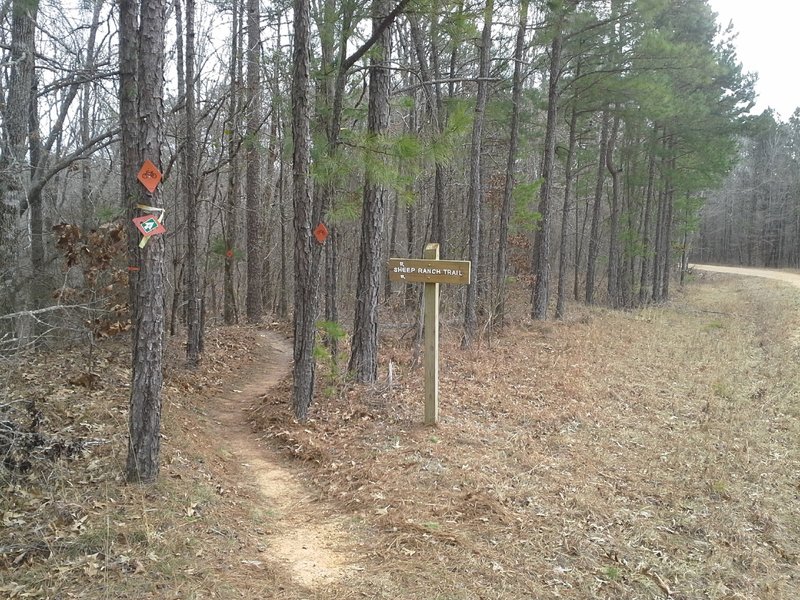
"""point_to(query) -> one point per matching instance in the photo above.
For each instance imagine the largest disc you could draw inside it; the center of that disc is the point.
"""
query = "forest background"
(578, 153)
(579, 150)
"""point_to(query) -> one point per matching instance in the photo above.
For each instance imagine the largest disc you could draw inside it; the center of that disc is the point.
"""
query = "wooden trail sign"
(431, 271)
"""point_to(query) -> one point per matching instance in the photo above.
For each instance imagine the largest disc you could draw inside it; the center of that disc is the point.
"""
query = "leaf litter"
(641, 454)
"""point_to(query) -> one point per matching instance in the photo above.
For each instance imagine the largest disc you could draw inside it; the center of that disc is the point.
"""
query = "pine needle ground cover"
(646, 454)
(642, 454)
(71, 527)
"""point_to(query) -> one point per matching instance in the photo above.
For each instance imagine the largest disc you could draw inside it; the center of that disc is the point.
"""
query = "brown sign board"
(413, 270)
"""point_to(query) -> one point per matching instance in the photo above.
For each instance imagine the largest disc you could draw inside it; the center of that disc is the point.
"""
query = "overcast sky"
(769, 44)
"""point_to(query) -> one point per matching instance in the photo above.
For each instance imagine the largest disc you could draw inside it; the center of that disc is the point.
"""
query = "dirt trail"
(313, 549)
(792, 278)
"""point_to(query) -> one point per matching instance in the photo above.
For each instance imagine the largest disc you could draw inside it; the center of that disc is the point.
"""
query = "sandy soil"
(792, 278)
(312, 548)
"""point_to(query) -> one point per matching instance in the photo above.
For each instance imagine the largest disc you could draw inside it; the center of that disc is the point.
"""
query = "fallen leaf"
(138, 567)
(253, 563)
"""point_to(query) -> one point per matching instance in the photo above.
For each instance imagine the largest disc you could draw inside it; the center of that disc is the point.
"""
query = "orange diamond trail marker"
(149, 176)
(321, 233)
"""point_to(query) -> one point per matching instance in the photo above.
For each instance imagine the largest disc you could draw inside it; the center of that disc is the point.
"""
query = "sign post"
(431, 271)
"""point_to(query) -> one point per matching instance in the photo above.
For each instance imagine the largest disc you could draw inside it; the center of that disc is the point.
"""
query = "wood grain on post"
(412, 270)
(431, 343)
(431, 271)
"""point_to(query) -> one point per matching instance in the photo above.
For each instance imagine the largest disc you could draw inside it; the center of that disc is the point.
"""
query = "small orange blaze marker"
(321, 233)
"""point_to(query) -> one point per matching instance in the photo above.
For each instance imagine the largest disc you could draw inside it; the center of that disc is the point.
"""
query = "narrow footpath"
(314, 549)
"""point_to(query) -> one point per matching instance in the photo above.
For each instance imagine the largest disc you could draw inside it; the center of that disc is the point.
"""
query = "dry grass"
(647, 454)
(73, 529)
(618, 455)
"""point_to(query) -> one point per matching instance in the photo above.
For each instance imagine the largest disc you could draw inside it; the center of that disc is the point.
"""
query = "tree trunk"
(13, 161)
(430, 74)
(594, 232)
(541, 287)
(475, 196)
(330, 90)
(230, 223)
(39, 292)
(508, 191)
(333, 92)
(193, 295)
(180, 243)
(269, 206)
(86, 100)
(562, 250)
(411, 231)
(148, 327)
(668, 222)
(392, 246)
(252, 157)
(364, 356)
(283, 301)
(614, 253)
(129, 136)
(646, 227)
(655, 293)
(306, 275)
(663, 229)
(332, 289)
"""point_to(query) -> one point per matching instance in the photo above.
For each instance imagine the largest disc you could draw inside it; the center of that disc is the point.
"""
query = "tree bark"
(13, 160)
(614, 253)
(662, 243)
(475, 190)
(594, 231)
(646, 272)
(191, 190)
(283, 293)
(231, 221)
(193, 295)
(364, 356)
(148, 327)
(409, 295)
(306, 275)
(541, 286)
(129, 136)
(669, 197)
(85, 124)
(431, 73)
(561, 295)
(306, 252)
(254, 305)
(513, 143)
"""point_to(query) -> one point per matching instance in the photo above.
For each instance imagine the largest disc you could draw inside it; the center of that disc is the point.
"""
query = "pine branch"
(376, 34)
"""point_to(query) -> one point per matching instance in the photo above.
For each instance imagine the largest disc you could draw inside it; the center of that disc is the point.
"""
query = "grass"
(643, 454)
(635, 439)
(84, 533)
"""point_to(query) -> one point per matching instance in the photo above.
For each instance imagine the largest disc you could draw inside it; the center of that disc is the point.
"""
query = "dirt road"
(786, 276)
